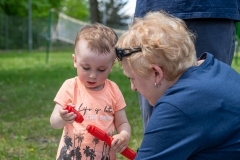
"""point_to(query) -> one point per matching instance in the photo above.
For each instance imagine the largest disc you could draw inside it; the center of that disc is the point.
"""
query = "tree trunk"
(94, 12)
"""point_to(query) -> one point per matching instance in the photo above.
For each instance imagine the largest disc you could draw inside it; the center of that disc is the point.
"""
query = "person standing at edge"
(212, 21)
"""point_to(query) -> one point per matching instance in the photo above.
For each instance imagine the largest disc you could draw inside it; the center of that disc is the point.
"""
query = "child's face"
(92, 68)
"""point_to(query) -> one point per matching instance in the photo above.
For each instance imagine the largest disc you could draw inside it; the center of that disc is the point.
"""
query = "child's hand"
(68, 117)
(120, 142)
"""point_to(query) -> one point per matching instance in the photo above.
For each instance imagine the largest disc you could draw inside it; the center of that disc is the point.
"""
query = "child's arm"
(61, 117)
(120, 141)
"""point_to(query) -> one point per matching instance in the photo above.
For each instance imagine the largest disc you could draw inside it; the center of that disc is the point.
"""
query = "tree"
(40, 8)
(13, 8)
(115, 16)
(78, 9)
(94, 12)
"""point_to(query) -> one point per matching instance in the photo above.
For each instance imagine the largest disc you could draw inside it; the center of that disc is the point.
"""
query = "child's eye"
(85, 68)
(101, 70)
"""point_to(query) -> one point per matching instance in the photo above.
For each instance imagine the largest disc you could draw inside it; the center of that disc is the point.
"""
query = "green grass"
(27, 88)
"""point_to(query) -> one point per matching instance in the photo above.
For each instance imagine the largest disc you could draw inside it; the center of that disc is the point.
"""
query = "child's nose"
(93, 75)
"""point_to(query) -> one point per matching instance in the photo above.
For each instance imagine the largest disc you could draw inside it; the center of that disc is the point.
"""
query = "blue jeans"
(216, 36)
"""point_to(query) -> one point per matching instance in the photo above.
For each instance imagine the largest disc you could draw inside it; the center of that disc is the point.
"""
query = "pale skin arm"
(120, 141)
(60, 117)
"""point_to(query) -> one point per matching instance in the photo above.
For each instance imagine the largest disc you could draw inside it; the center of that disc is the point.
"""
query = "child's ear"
(74, 61)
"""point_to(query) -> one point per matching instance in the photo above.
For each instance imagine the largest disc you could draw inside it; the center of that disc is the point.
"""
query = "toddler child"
(98, 99)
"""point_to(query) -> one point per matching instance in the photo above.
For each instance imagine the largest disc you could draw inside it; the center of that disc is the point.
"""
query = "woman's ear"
(158, 73)
(74, 61)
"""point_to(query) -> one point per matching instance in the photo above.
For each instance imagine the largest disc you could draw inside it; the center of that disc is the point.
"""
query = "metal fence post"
(6, 32)
(48, 38)
(29, 26)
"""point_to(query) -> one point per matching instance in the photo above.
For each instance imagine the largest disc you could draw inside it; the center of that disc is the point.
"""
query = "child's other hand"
(120, 142)
(68, 117)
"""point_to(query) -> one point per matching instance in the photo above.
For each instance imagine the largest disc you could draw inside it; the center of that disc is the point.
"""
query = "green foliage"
(77, 9)
(12, 7)
(40, 8)
(28, 87)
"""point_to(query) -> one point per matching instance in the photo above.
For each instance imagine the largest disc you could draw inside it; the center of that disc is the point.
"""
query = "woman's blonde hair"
(165, 41)
(100, 38)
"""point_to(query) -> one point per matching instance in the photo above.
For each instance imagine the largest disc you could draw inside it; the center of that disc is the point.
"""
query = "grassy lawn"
(27, 88)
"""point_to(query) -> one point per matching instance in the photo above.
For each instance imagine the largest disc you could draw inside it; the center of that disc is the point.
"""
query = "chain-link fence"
(14, 33)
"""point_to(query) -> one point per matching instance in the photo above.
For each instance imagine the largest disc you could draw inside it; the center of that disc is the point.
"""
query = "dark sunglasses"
(126, 52)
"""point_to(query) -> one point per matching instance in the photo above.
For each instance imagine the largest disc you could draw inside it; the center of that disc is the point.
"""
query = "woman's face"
(144, 85)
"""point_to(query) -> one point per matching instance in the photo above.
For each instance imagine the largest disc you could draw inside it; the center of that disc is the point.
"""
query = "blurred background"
(28, 24)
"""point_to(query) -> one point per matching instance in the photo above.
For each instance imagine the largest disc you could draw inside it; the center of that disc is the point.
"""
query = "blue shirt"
(197, 118)
(189, 9)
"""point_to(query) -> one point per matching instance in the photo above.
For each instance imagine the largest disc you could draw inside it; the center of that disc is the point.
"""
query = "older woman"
(196, 104)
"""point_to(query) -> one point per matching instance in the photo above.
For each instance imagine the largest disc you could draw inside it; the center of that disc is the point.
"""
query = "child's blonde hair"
(100, 39)
(165, 41)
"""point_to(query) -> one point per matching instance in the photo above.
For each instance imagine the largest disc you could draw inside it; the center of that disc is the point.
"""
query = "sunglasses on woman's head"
(126, 52)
